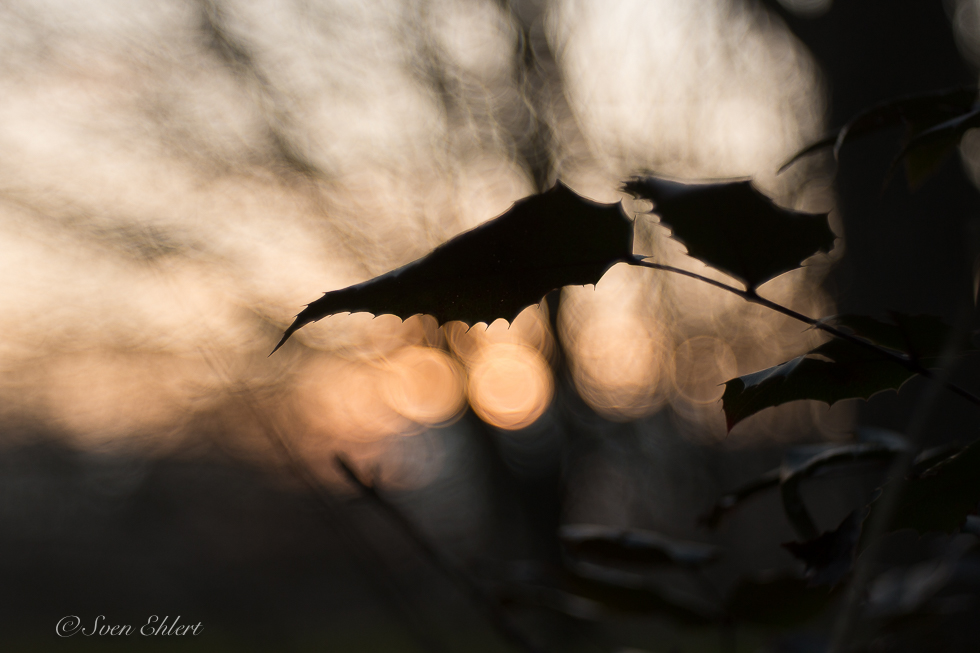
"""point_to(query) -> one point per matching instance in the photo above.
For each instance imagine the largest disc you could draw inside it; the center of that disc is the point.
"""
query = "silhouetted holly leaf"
(543, 242)
(805, 461)
(833, 371)
(830, 556)
(735, 228)
(776, 601)
(940, 498)
(920, 114)
(603, 545)
(841, 370)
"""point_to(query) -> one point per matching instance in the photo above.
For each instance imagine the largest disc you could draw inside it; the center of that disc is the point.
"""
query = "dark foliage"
(734, 228)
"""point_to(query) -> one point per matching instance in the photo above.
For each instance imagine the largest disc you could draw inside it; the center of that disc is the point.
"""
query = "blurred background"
(179, 178)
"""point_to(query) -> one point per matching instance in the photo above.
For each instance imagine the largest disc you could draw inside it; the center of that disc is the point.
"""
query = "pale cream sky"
(178, 179)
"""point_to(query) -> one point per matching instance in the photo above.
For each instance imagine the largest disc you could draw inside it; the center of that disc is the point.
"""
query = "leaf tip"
(276, 348)
(282, 341)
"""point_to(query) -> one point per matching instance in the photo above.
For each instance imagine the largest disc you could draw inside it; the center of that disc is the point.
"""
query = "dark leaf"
(589, 592)
(543, 242)
(734, 228)
(927, 150)
(830, 556)
(603, 545)
(833, 371)
(940, 498)
(919, 113)
(776, 601)
(628, 593)
(806, 461)
(841, 370)
(802, 462)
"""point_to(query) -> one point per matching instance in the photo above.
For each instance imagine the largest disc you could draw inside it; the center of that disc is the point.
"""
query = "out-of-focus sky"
(179, 178)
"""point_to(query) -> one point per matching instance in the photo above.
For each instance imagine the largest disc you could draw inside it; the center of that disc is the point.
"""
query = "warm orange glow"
(618, 366)
(118, 400)
(529, 328)
(510, 385)
(158, 202)
(424, 384)
(616, 344)
(343, 399)
(369, 399)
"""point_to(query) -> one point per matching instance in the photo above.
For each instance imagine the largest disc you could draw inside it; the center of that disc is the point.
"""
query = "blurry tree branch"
(238, 57)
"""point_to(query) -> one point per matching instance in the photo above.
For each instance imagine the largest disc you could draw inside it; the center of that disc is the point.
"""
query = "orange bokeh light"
(424, 385)
(510, 385)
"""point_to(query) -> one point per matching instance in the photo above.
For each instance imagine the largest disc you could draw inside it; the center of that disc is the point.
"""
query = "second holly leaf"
(734, 228)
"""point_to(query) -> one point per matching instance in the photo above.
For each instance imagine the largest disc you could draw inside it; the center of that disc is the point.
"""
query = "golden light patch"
(510, 385)
(346, 400)
(424, 385)
(618, 365)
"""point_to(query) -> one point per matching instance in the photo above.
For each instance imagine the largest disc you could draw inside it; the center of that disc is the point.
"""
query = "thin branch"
(366, 556)
(480, 596)
(752, 297)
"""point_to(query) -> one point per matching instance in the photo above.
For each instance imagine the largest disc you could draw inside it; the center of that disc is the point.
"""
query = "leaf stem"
(752, 297)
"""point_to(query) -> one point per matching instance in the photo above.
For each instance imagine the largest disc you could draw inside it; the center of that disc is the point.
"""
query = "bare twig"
(751, 296)
(364, 553)
(500, 619)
